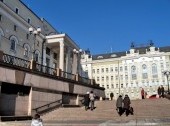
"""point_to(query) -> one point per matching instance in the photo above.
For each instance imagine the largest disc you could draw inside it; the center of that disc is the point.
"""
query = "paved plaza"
(147, 112)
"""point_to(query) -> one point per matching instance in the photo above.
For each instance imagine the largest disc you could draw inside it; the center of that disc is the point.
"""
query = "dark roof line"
(37, 15)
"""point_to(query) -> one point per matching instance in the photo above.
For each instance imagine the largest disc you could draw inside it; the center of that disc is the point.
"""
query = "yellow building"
(128, 71)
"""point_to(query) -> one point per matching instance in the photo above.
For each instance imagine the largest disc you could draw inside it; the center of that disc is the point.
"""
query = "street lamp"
(167, 73)
(34, 32)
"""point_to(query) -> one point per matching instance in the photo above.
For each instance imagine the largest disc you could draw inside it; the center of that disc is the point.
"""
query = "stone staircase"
(106, 110)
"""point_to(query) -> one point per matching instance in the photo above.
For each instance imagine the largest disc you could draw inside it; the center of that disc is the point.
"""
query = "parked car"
(153, 96)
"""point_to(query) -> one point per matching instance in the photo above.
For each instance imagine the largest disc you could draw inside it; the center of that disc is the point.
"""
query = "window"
(47, 51)
(112, 85)
(102, 78)
(26, 51)
(98, 79)
(93, 70)
(116, 85)
(111, 77)
(154, 71)
(107, 70)
(15, 28)
(144, 72)
(55, 56)
(98, 71)
(107, 78)
(16, 10)
(36, 57)
(13, 42)
(102, 70)
(121, 85)
(116, 69)
(111, 69)
(107, 86)
(2, 0)
(29, 20)
(126, 77)
(125, 68)
(133, 72)
(116, 77)
(27, 36)
(121, 69)
(13, 45)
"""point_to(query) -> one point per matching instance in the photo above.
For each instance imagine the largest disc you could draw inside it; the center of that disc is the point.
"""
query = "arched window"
(37, 56)
(13, 43)
(26, 50)
(154, 71)
(133, 72)
(144, 72)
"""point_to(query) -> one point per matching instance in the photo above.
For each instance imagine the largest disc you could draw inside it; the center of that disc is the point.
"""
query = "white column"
(61, 65)
(68, 60)
(74, 65)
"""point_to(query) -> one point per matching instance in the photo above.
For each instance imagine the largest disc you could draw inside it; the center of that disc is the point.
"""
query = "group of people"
(161, 91)
(123, 105)
(89, 99)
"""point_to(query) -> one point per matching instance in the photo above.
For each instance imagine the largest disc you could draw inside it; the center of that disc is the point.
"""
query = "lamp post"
(34, 32)
(167, 73)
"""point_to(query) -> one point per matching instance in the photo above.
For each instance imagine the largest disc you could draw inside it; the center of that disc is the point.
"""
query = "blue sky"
(108, 25)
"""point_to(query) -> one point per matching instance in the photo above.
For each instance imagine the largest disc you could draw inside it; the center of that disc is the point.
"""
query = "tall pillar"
(61, 65)
(68, 61)
(74, 65)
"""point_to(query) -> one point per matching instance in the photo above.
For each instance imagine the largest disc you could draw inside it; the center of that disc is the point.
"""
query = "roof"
(140, 50)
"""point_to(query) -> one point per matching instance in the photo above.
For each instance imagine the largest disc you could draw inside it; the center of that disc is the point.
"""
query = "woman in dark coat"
(119, 103)
(86, 101)
(127, 103)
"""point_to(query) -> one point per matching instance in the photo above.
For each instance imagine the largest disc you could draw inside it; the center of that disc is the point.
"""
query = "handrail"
(67, 75)
(48, 105)
(12, 60)
(16, 61)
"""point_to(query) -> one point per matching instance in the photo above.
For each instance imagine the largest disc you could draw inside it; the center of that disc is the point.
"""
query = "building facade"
(128, 72)
(25, 35)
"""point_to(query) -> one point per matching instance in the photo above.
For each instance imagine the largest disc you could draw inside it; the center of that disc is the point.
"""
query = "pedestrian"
(159, 91)
(36, 121)
(92, 98)
(126, 104)
(119, 103)
(142, 93)
(111, 96)
(86, 101)
(162, 91)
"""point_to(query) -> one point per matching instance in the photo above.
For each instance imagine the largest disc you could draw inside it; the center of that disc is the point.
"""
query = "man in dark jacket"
(86, 101)
(127, 103)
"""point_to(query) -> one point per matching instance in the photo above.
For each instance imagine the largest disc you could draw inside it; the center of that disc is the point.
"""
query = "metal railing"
(85, 80)
(12, 60)
(45, 69)
(48, 107)
(16, 61)
(67, 75)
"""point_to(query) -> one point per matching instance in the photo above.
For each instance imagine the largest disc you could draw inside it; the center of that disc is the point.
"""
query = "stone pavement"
(147, 112)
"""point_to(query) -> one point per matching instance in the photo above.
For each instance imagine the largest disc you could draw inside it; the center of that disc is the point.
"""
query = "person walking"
(126, 102)
(86, 101)
(119, 103)
(162, 91)
(142, 93)
(159, 91)
(36, 121)
(92, 98)
(111, 96)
